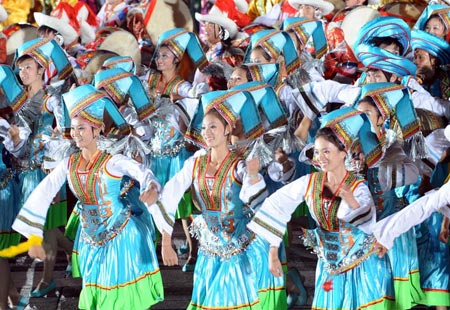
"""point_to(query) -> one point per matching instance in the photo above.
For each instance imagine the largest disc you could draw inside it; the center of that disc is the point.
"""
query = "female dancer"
(343, 209)
(226, 189)
(116, 253)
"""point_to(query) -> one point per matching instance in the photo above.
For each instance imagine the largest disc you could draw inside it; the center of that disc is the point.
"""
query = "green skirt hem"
(268, 299)
(141, 294)
(408, 293)
(435, 298)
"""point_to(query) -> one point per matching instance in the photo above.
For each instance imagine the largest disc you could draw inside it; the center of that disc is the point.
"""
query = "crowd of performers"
(337, 111)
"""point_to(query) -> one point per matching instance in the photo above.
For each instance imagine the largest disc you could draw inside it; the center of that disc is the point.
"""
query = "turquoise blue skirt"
(123, 273)
(242, 281)
(434, 262)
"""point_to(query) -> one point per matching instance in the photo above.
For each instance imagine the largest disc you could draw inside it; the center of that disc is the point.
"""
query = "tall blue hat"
(373, 57)
(394, 103)
(49, 55)
(304, 29)
(353, 128)
(232, 106)
(385, 26)
(121, 85)
(275, 43)
(265, 73)
(267, 101)
(11, 88)
(123, 62)
(435, 46)
(89, 104)
(443, 11)
(180, 41)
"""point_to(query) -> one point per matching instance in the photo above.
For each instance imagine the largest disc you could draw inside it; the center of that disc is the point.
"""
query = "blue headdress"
(49, 55)
(395, 104)
(265, 73)
(123, 62)
(373, 57)
(353, 128)
(443, 11)
(275, 43)
(179, 41)
(232, 106)
(11, 88)
(435, 46)
(304, 29)
(267, 100)
(121, 85)
(89, 104)
(385, 26)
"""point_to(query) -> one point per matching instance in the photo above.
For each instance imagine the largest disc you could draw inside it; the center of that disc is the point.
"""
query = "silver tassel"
(415, 147)
(258, 148)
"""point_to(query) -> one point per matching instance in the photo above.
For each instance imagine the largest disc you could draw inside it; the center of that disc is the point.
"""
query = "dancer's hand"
(274, 262)
(37, 251)
(169, 256)
(150, 196)
(380, 249)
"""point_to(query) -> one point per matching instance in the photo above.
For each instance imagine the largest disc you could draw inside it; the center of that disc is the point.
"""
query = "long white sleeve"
(271, 219)
(120, 165)
(163, 211)
(393, 226)
(31, 218)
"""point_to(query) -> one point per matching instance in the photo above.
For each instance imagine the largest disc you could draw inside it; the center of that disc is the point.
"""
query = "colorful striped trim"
(248, 305)
(30, 223)
(164, 214)
(268, 227)
(147, 274)
(213, 200)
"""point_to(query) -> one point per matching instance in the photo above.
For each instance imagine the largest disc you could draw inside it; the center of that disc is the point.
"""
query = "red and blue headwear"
(49, 55)
(121, 85)
(89, 104)
(267, 101)
(382, 27)
(11, 88)
(304, 29)
(231, 105)
(179, 41)
(431, 44)
(265, 73)
(353, 128)
(275, 43)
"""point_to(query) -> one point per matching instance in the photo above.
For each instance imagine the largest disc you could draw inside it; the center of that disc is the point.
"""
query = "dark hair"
(370, 101)
(377, 41)
(7, 114)
(248, 74)
(25, 57)
(216, 113)
(44, 31)
(328, 134)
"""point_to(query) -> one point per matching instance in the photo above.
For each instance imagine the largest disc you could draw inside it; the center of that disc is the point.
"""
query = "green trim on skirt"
(138, 295)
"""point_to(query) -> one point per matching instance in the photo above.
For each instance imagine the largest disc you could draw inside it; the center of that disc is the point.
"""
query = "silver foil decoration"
(261, 150)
